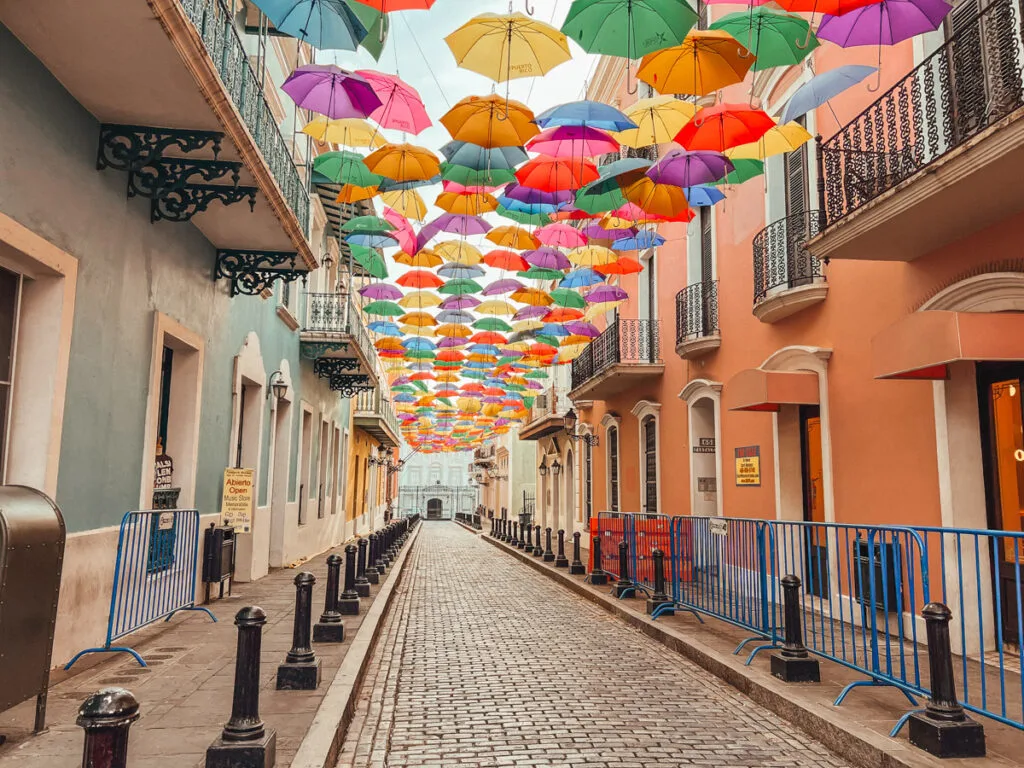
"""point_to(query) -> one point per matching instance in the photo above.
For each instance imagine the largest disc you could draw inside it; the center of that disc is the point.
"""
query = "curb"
(869, 750)
(321, 745)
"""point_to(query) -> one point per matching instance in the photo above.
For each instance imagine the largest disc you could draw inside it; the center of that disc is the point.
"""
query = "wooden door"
(816, 538)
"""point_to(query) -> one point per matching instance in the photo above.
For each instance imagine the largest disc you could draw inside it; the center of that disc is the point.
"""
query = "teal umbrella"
(628, 28)
(775, 39)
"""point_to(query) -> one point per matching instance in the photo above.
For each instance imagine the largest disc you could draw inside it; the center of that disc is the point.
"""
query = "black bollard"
(362, 583)
(514, 541)
(561, 561)
(524, 529)
(623, 587)
(348, 603)
(793, 663)
(491, 534)
(597, 575)
(245, 741)
(659, 598)
(378, 563)
(372, 574)
(576, 567)
(106, 717)
(301, 668)
(503, 530)
(537, 550)
(528, 542)
(330, 629)
(549, 556)
(944, 729)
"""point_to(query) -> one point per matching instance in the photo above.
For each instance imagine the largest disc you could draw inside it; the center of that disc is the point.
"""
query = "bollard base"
(598, 578)
(363, 589)
(243, 754)
(348, 606)
(303, 676)
(963, 738)
(794, 670)
(577, 569)
(537, 551)
(621, 590)
(381, 569)
(329, 633)
(549, 557)
(561, 562)
(653, 605)
(373, 577)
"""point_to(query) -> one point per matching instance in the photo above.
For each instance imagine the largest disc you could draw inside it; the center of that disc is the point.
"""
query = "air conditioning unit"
(541, 402)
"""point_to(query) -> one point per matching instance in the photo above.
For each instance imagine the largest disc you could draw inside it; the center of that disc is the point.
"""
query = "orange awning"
(923, 344)
(755, 389)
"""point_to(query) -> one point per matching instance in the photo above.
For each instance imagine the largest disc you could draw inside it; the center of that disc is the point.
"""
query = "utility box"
(31, 556)
(218, 557)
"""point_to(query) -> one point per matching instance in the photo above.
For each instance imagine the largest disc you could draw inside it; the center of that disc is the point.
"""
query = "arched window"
(649, 435)
(613, 469)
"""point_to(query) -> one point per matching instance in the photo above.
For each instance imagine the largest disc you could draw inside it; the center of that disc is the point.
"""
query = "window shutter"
(795, 166)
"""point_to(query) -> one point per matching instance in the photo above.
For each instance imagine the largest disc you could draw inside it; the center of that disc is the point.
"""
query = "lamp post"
(569, 421)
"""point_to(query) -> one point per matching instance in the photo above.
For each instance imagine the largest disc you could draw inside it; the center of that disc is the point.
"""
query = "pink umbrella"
(572, 141)
(380, 291)
(463, 189)
(529, 312)
(401, 106)
(548, 258)
(331, 91)
(561, 235)
(502, 286)
(403, 232)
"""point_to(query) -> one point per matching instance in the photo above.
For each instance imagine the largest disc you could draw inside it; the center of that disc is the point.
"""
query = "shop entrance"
(1002, 436)
(816, 540)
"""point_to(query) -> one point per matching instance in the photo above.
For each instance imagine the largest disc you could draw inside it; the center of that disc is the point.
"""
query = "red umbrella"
(550, 174)
(508, 260)
(724, 126)
(420, 278)
(488, 337)
(450, 356)
(542, 350)
(561, 315)
(624, 266)
(422, 376)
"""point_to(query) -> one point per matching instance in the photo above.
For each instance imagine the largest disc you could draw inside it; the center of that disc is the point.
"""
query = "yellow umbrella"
(403, 162)
(526, 325)
(416, 330)
(422, 258)
(407, 202)
(707, 61)
(350, 193)
(490, 121)
(472, 204)
(504, 47)
(780, 139)
(658, 199)
(595, 311)
(419, 300)
(388, 342)
(571, 352)
(456, 330)
(492, 409)
(658, 120)
(572, 340)
(496, 307)
(349, 131)
(458, 252)
(513, 237)
(469, 404)
(592, 256)
(533, 296)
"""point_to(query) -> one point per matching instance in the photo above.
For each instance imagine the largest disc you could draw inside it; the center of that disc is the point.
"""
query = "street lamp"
(543, 468)
(569, 422)
(556, 467)
(278, 386)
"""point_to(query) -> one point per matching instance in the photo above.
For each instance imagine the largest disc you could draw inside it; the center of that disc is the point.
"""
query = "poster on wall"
(237, 498)
(748, 465)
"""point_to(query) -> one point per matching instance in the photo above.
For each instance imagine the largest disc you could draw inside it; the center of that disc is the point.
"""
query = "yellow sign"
(748, 465)
(236, 501)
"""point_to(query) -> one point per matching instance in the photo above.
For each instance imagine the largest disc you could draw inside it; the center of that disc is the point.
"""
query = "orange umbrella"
(562, 314)
(550, 174)
(418, 320)
(422, 376)
(707, 61)
(533, 296)
(490, 121)
(487, 337)
(542, 350)
(472, 204)
(513, 237)
(508, 260)
(404, 162)
(658, 199)
(624, 266)
(350, 193)
(453, 330)
(424, 258)
(389, 343)
(420, 278)
(450, 356)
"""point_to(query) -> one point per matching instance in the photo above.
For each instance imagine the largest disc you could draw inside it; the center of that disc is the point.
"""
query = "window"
(707, 245)
(588, 485)
(649, 434)
(304, 468)
(795, 171)
(613, 468)
(166, 369)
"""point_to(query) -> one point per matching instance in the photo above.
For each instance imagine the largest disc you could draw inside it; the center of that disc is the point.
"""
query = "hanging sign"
(748, 465)
(237, 498)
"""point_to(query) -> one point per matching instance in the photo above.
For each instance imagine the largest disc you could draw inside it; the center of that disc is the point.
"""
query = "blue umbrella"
(703, 197)
(484, 349)
(580, 278)
(321, 23)
(642, 240)
(371, 239)
(420, 343)
(555, 329)
(479, 158)
(592, 114)
(404, 397)
(453, 316)
(530, 208)
(385, 328)
(820, 88)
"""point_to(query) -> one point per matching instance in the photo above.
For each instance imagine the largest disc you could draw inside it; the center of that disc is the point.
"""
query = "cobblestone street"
(484, 662)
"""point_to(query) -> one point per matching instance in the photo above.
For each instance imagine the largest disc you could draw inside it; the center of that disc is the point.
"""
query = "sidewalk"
(185, 693)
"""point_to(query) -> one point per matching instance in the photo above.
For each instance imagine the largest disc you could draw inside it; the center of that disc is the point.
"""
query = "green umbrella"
(528, 401)
(566, 297)
(745, 170)
(774, 38)
(344, 167)
(373, 20)
(541, 273)
(628, 28)
(419, 354)
(544, 338)
(536, 373)
(471, 374)
(522, 217)
(370, 259)
(368, 224)
(599, 202)
(386, 308)
(420, 385)
(470, 177)
(460, 286)
(492, 324)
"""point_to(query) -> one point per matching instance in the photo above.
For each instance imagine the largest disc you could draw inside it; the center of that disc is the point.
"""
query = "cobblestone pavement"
(484, 662)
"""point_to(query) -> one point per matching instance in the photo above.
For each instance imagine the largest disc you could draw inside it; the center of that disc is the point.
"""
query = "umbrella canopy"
(370, 259)
(775, 39)
(401, 106)
(745, 170)
(422, 258)
(587, 113)
(419, 300)
(377, 25)
(498, 287)
(533, 296)
(490, 121)
(513, 237)
(348, 131)
(479, 158)
(321, 23)
(656, 199)
(561, 235)
(722, 126)
(403, 162)
(884, 23)
(584, 277)
(452, 270)
(628, 28)
(703, 197)
(387, 6)
(777, 141)
(550, 174)
(548, 257)
(345, 167)
(822, 87)
(380, 291)
(473, 203)
(420, 278)
(572, 141)
(624, 266)
(331, 91)
(685, 168)
(370, 224)
(460, 286)
(533, 196)
(458, 252)
(591, 255)
(505, 47)
(506, 260)
(706, 61)
(384, 308)
(658, 119)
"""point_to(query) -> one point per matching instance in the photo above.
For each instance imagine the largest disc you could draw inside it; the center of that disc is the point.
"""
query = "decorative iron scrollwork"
(327, 367)
(350, 385)
(182, 204)
(168, 174)
(250, 272)
(130, 147)
(697, 311)
(314, 350)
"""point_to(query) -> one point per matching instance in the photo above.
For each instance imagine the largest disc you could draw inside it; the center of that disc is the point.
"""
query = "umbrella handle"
(807, 40)
(528, 8)
(878, 73)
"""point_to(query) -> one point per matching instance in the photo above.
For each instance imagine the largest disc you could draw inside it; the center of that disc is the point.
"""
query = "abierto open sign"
(237, 499)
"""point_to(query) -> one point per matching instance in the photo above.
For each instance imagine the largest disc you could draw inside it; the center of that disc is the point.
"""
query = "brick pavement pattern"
(484, 662)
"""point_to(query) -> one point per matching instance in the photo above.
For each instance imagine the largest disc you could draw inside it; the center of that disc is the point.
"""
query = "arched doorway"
(435, 509)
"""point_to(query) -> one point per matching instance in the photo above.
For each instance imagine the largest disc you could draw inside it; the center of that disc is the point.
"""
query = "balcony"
(787, 278)
(626, 354)
(375, 415)
(697, 320)
(938, 156)
(484, 456)
(547, 414)
(184, 116)
(336, 339)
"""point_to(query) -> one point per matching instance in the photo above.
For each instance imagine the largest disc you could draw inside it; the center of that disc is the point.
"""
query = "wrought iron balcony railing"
(781, 259)
(214, 20)
(333, 314)
(624, 341)
(697, 311)
(373, 401)
(970, 83)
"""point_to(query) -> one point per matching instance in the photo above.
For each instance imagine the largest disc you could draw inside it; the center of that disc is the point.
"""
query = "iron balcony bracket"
(328, 367)
(250, 272)
(130, 147)
(182, 204)
(169, 174)
(349, 385)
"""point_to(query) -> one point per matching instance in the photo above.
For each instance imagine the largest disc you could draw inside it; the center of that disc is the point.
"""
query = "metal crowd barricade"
(154, 574)
(646, 534)
(612, 527)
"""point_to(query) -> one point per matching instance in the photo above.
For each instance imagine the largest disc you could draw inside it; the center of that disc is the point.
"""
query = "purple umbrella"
(380, 291)
(331, 91)
(597, 232)
(531, 384)
(684, 168)
(547, 258)
(455, 223)
(582, 328)
(604, 293)
(502, 286)
(529, 312)
(885, 23)
(532, 196)
(451, 342)
(460, 301)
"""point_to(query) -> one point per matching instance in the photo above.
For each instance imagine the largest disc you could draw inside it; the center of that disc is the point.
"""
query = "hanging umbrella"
(820, 88)
(513, 237)
(498, 287)
(496, 307)
(460, 286)
(377, 26)
(744, 171)
(656, 199)
(777, 141)
(628, 28)
(505, 47)
(331, 91)
(419, 300)
(561, 235)
(453, 223)
(550, 174)
(479, 158)
(472, 204)
(385, 308)
(591, 255)
(418, 320)
(423, 258)
(584, 277)
(452, 270)
(384, 327)
(348, 131)
(593, 114)
(380, 291)
(353, 193)
(406, 202)
(722, 126)
(521, 213)
(685, 168)
(549, 257)
(452, 318)
(703, 197)
(492, 324)
(367, 224)
(506, 260)
(460, 301)
(471, 177)
(775, 39)
(658, 120)
(420, 278)
(706, 61)
(369, 259)
(403, 162)
(533, 296)
(568, 141)
(884, 23)
(458, 252)
(548, 201)
(583, 328)
(401, 106)
(643, 240)
(490, 121)
(345, 167)
(562, 315)
(321, 23)
(453, 330)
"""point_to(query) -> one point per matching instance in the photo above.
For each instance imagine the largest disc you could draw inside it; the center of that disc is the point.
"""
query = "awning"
(923, 344)
(755, 389)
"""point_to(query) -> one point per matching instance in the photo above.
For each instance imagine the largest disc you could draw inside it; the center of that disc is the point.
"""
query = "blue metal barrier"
(154, 574)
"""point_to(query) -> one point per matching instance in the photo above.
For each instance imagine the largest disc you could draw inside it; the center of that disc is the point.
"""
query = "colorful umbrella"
(820, 88)
(478, 158)
(572, 141)
(473, 203)
(584, 277)
(419, 300)
(533, 296)
(591, 255)
(505, 47)
(348, 131)
(628, 28)
(380, 291)
(506, 260)
(458, 252)
(401, 106)
(775, 39)
(420, 278)
(685, 168)
(345, 167)
(460, 286)
(561, 235)
(460, 174)
(422, 258)
(777, 141)
(403, 162)
(331, 91)
(703, 197)
(550, 174)
(498, 287)
(385, 308)
(884, 23)
(593, 114)
(744, 171)
(388, 6)
(548, 257)
(656, 199)
(490, 121)
(370, 224)
(321, 23)
(707, 61)
(722, 126)
(513, 237)
(658, 120)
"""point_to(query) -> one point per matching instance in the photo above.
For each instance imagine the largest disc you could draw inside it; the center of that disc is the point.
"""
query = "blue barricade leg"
(205, 610)
(111, 649)
(874, 683)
